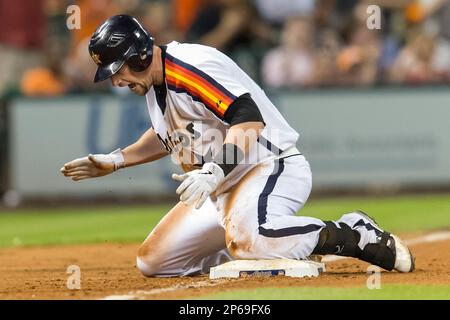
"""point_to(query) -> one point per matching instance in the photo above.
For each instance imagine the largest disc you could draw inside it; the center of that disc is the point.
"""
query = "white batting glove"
(198, 184)
(93, 166)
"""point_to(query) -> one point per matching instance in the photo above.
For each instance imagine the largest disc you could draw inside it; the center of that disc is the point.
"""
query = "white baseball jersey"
(201, 83)
(256, 219)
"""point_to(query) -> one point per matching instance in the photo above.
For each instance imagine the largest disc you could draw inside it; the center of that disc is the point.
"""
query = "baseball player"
(244, 179)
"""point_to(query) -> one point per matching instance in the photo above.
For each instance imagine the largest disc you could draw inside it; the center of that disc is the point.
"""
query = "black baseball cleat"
(388, 252)
(394, 250)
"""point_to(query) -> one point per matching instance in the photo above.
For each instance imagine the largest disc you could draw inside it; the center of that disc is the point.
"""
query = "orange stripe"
(190, 89)
(203, 95)
(194, 77)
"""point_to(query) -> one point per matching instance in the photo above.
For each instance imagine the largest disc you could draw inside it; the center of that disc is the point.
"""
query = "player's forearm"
(146, 149)
(197, 185)
(244, 135)
(238, 141)
(246, 123)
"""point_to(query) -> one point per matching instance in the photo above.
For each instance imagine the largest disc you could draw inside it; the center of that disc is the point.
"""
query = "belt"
(292, 151)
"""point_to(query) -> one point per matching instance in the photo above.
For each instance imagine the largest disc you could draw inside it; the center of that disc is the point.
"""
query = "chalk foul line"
(142, 294)
(139, 294)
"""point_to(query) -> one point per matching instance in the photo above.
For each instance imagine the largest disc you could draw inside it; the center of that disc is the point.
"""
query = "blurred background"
(372, 106)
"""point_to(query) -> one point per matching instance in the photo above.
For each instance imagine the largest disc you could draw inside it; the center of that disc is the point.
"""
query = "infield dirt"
(109, 269)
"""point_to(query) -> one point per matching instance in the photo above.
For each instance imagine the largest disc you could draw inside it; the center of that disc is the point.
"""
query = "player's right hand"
(93, 166)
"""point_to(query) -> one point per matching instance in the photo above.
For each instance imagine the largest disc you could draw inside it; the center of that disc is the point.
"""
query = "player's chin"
(141, 93)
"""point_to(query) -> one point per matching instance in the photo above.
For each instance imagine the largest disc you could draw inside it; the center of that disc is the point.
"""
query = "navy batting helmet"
(120, 39)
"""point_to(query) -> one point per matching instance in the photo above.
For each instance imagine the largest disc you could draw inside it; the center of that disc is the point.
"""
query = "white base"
(267, 268)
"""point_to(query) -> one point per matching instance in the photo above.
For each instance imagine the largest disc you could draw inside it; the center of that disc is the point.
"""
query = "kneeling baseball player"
(239, 194)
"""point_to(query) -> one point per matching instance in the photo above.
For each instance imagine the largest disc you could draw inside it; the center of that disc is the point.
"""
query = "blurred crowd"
(280, 43)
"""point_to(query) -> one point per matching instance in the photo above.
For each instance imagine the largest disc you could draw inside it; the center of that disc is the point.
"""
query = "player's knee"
(146, 266)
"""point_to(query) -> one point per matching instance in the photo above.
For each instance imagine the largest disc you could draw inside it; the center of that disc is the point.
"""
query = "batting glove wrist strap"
(229, 157)
(216, 171)
(118, 159)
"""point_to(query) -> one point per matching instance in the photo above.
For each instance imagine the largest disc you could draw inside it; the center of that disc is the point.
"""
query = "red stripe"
(191, 90)
(196, 78)
(205, 99)
(197, 94)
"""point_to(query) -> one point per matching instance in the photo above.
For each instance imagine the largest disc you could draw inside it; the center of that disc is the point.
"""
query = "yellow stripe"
(199, 87)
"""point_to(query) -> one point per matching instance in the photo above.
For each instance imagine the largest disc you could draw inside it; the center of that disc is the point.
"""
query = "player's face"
(138, 82)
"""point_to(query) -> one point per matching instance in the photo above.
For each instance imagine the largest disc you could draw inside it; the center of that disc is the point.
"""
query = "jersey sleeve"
(205, 76)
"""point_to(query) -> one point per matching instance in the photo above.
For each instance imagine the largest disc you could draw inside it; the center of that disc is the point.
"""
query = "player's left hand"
(198, 184)
(94, 165)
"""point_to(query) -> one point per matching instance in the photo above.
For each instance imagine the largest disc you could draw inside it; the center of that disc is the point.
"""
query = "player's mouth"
(137, 88)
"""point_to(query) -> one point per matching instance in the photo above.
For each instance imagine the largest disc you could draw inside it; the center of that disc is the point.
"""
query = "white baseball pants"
(253, 220)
